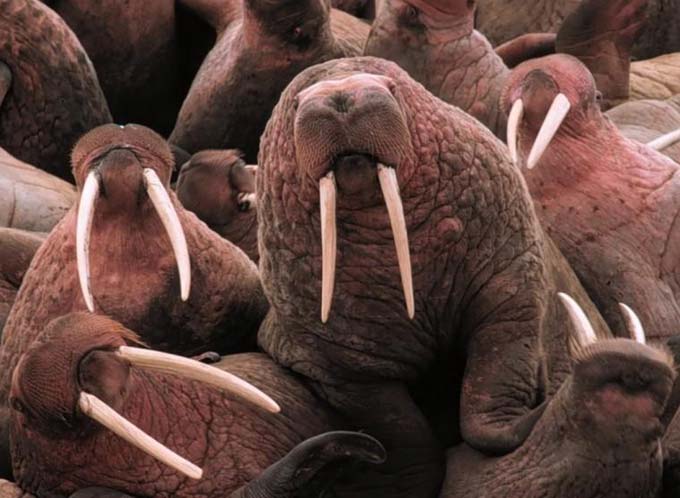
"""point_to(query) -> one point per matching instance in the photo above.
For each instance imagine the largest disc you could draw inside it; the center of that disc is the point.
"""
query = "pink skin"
(435, 42)
(609, 203)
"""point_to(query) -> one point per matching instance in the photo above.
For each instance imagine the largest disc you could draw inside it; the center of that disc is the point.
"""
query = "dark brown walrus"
(49, 93)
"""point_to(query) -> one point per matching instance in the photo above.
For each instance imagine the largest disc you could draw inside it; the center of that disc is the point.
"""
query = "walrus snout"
(121, 178)
(354, 115)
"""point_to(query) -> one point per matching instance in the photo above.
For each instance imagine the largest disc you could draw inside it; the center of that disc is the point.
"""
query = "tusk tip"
(196, 473)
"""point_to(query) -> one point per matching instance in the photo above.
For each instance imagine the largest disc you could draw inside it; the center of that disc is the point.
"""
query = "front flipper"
(5, 81)
(601, 34)
(525, 47)
(303, 472)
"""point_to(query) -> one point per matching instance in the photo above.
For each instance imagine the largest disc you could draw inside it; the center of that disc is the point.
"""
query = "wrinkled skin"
(645, 120)
(212, 185)
(600, 437)
(136, 282)
(601, 35)
(503, 20)
(609, 203)
(251, 63)
(657, 78)
(56, 449)
(17, 248)
(435, 42)
(31, 199)
(54, 95)
(484, 274)
(10, 490)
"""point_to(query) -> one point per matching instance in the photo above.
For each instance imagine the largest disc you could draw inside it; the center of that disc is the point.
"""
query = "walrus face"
(351, 136)
(217, 185)
(621, 386)
(125, 171)
(543, 96)
(81, 368)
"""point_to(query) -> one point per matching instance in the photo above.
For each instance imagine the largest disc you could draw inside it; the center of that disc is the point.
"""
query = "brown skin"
(600, 437)
(253, 60)
(608, 202)
(663, 35)
(525, 47)
(57, 450)
(364, 9)
(17, 248)
(601, 34)
(31, 199)
(645, 120)
(209, 185)
(54, 96)
(435, 42)
(503, 20)
(459, 192)
(137, 282)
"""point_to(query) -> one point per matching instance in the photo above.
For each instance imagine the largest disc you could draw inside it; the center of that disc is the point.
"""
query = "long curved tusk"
(166, 212)
(585, 335)
(195, 370)
(96, 409)
(514, 120)
(395, 209)
(88, 199)
(552, 122)
(633, 324)
(327, 195)
(660, 143)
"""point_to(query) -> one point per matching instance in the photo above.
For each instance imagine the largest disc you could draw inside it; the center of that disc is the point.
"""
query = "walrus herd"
(350, 248)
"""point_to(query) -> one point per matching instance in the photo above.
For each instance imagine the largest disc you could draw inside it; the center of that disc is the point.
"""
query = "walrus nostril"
(341, 102)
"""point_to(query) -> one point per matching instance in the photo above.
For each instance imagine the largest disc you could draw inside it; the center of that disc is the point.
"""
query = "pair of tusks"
(387, 178)
(585, 335)
(553, 120)
(96, 409)
(166, 212)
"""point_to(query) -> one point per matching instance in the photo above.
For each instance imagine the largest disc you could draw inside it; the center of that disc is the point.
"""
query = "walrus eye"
(411, 13)
(410, 16)
(598, 96)
(17, 405)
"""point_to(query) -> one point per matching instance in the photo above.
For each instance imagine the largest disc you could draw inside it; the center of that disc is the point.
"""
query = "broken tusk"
(660, 143)
(514, 120)
(327, 195)
(96, 409)
(633, 324)
(166, 212)
(195, 370)
(552, 122)
(585, 335)
(395, 209)
(88, 199)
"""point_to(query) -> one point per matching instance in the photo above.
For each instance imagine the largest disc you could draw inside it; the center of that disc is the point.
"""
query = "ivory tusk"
(660, 143)
(327, 200)
(514, 120)
(195, 370)
(395, 209)
(552, 122)
(633, 324)
(585, 335)
(88, 199)
(166, 212)
(96, 409)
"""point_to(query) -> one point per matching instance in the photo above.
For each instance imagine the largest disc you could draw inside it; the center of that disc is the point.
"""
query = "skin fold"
(136, 282)
(17, 248)
(253, 60)
(435, 42)
(484, 275)
(31, 199)
(56, 449)
(645, 120)
(600, 437)
(608, 202)
(54, 96)
(218, 188)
